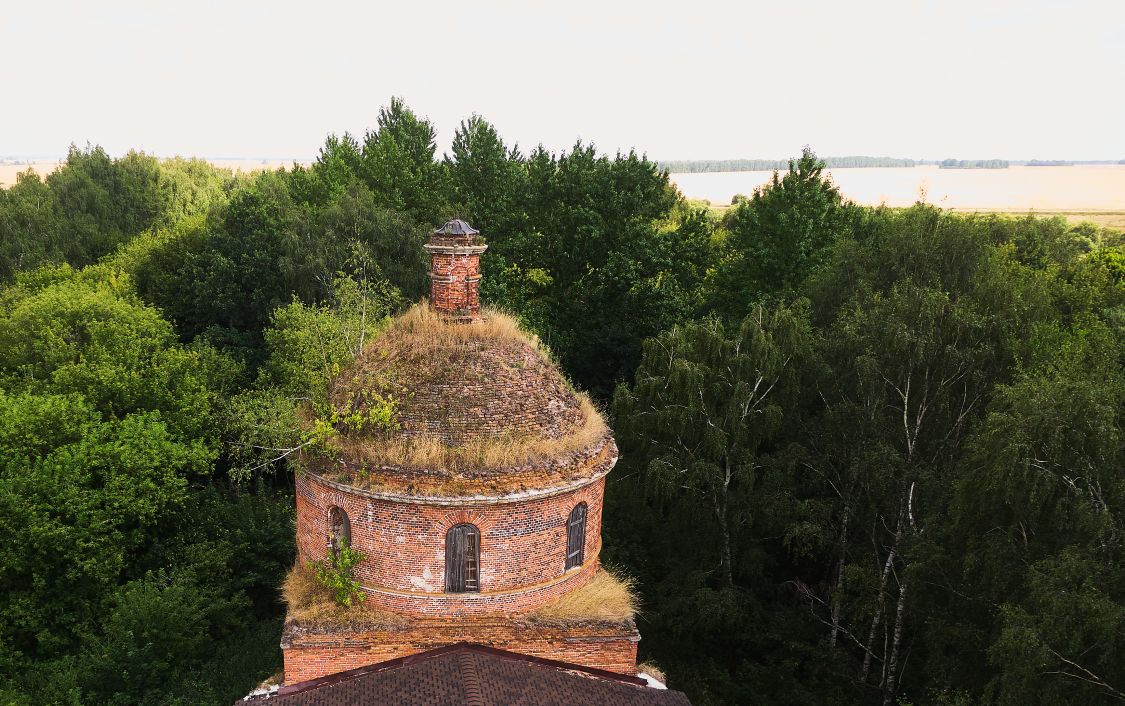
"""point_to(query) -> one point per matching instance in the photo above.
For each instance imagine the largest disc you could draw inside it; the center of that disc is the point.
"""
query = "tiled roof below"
(472, 675)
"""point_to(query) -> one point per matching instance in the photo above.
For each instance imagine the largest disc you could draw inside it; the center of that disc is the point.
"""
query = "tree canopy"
(868, 455)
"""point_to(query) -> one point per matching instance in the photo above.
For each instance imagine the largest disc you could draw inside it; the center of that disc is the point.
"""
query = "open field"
(1114, 220)
(8, 170)
(1093, 193)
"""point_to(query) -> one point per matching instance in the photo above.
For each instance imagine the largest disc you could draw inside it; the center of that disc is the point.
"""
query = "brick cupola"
(455, 250)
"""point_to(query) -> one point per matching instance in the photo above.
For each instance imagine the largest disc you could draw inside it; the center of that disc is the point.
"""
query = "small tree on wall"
(337, 572)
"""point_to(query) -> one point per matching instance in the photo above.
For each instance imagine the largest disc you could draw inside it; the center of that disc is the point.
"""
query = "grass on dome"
(431, 453)
(420, 337)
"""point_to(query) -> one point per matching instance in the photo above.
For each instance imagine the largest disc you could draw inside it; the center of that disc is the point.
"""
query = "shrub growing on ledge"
(337, 573)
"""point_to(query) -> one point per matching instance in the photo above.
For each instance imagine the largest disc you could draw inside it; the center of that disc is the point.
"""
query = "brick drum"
(522, 545)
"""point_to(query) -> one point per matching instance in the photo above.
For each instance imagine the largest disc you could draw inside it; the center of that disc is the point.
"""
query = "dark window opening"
(576, 536)
(339, 529)
(462, 559)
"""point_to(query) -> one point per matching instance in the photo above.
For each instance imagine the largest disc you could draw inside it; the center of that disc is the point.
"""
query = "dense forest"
(869, 456)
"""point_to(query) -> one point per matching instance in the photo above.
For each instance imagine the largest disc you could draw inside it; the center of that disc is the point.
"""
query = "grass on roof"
(421, 343)
(422, 324)
(312, 605)
(606, 599)
(651, 669)
(428, 452)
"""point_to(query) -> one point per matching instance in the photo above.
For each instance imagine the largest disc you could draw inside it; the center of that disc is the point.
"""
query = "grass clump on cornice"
(312, 605)
(606, 599)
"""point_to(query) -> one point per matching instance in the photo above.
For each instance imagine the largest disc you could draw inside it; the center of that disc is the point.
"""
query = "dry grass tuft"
(312, 605)
(428, 452)
(653, 671)
(606, 599)
(421, 323)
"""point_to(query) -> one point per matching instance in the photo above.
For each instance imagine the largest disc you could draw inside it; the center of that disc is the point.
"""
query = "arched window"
(339, 528)
(462, 559)
(576, 536)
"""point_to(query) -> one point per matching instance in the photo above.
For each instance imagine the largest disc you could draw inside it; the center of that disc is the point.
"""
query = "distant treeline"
(754, 165)
(973, 164)
(688, 166)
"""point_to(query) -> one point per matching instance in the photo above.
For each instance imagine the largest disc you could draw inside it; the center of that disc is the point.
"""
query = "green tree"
(367, 241)
(88, 334)
(1038, 526)
(307, 345)
(702, 504)
(704, 403)
(224, 275)
(399, 165)
(102, 202)
(78, 495)
(488, 180)
(779, 236)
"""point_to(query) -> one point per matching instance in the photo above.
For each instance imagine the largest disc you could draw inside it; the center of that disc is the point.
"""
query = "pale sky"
(677, 80)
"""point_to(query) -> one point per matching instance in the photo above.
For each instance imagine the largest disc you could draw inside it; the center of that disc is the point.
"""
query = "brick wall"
(455, 282)
(603, 646)
(522, 547)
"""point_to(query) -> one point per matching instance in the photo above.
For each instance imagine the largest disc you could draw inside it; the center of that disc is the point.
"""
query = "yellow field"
(8, 171)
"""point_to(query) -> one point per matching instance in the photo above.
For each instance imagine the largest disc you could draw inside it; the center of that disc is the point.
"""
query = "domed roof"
(462, 382)
(469, 401)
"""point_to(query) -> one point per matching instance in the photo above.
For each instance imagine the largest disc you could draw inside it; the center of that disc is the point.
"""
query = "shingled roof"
(473, 675)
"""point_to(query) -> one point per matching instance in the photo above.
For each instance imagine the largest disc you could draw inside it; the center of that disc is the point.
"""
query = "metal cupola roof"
(456, 226)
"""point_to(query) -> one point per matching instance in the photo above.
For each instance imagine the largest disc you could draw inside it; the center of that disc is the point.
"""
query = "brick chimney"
(455, 251)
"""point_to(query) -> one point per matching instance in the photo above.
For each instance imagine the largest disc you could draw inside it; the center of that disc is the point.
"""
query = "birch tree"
(704, 403)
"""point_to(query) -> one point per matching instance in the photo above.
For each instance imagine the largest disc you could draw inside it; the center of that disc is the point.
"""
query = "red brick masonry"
(455, 278)
(522, 546)
(612, 647)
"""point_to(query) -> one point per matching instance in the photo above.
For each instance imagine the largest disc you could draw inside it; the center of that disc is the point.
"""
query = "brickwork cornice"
(455, 249)
(460, 500)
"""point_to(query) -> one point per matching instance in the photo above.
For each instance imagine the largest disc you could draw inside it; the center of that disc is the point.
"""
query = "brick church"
(478, 515)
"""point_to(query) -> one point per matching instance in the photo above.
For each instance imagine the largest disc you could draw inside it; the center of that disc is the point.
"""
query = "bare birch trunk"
(721, 509)
(892, 663)
(725, 549)
(878, 617)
